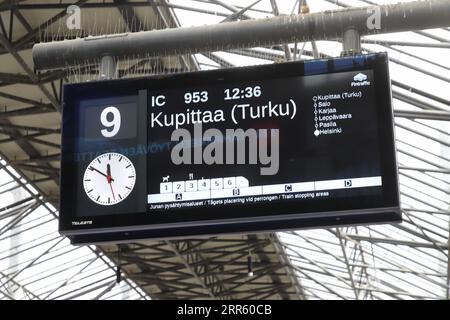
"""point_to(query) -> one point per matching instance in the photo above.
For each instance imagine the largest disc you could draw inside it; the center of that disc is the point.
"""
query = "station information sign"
(261, 148)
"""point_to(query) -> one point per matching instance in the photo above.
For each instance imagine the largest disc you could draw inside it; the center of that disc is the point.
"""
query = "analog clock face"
(109, 179)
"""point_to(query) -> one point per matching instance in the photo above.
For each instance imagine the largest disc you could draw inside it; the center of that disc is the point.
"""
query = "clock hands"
(108, 173)
(96, 170)
(108, 177)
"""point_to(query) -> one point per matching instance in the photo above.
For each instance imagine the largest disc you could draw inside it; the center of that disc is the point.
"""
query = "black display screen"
(282, 146)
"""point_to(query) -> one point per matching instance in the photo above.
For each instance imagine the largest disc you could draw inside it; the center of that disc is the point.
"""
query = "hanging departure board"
(261, 148)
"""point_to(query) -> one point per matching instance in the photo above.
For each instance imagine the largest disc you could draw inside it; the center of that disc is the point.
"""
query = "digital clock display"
(263, 148)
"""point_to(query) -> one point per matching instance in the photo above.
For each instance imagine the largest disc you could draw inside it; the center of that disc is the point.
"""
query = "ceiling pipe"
(328, 25)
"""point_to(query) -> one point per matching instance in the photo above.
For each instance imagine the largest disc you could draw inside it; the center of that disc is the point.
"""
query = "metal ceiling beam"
(50, 248)
(27, 111)
(426, 198)
(250, 284)
(407, 43)
(290, 271)
(447, 291)
(415, 67)
(128, 15)
(101, 5)
(397, 242)
(385, 257)
(320, 282)
(101, 254)
(53, 157)
(22, 99)
(15, 207)
(238, 14)
(220, 61)
(395, 294)
(145, 268)
(8, 78)
(229, 7)
(25, 186)
(425, 135)
(263, 257)
(431, 126)
(315, 26)
(420, 92)
(29, 128)
(378, 257)
(347, 263)
(194, 262)
(190, 61)
(328, 252)
(171, 22)
(17, 137)
(15, 78)
(419, 178)
(8, 4)
(45, 170)
(23, 143)
(84, 265)
(22, 20)
(432, 36)
(239, 7)
(418, 57)
(19, 216)
(18, 285)
(437, 160)
(425, 234)
(6, 43)
(31, 35)
(224, 257)
(364, 263)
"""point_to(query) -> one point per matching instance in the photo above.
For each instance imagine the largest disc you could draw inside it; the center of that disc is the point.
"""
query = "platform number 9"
(112, 126)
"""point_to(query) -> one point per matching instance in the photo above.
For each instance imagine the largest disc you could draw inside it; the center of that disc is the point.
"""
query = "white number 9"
(114, 123)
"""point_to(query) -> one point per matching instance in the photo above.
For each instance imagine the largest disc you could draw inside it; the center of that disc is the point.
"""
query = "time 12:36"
(241, 93)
